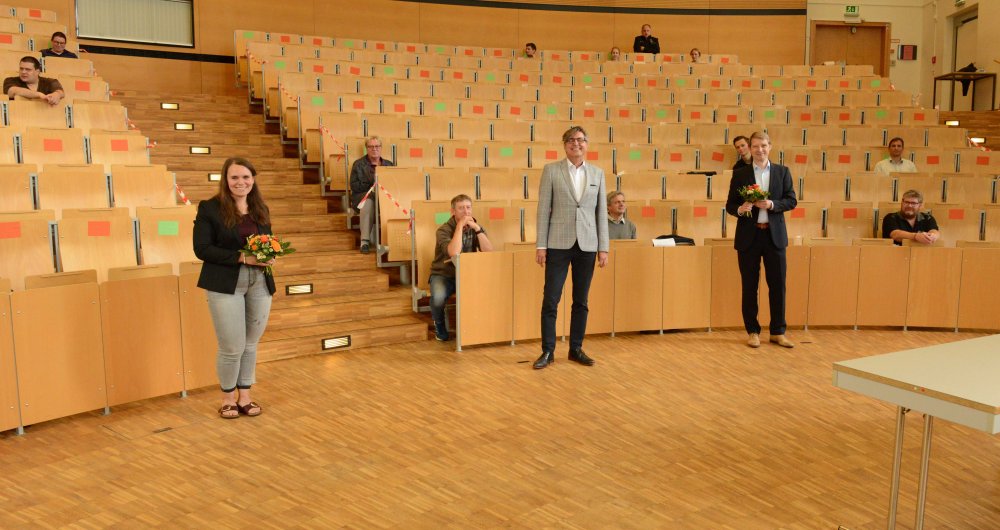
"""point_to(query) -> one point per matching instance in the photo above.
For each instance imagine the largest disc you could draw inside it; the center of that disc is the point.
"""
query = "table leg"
(925, 456)
(897, 458)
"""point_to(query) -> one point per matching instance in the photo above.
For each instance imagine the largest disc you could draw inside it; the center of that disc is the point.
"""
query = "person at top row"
(646, 43)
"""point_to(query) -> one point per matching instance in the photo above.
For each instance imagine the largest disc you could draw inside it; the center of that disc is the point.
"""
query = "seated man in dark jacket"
(362, 180)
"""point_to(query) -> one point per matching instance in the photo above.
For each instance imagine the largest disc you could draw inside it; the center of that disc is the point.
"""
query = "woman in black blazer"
(239, 292)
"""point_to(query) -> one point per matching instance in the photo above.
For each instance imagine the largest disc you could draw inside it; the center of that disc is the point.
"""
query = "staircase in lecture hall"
(350, 295)
(982, 124)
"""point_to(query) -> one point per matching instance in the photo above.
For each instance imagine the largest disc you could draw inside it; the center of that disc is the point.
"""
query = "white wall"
(907, 23)
(943, 14)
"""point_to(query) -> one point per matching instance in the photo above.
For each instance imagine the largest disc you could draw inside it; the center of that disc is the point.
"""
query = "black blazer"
(782, 195)
(646, 44)
(218, 247)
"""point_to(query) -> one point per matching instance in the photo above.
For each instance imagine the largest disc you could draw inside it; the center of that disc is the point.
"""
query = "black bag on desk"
(679, 241)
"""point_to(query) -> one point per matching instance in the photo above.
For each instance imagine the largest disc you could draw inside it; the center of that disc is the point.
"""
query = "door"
(850, 44)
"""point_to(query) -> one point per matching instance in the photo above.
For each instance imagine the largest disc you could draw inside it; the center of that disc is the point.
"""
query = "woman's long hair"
(256, 207)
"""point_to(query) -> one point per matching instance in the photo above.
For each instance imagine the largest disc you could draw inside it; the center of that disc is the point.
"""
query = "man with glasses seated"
(58, 48)
(910, 223)
(362, 180)
(895, 163)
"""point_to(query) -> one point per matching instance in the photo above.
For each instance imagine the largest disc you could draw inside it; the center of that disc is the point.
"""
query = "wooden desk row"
(645, 288)
(82, 346)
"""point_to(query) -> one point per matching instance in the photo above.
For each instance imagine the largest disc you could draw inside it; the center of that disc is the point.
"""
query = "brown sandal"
(250, 409)
(226, 410)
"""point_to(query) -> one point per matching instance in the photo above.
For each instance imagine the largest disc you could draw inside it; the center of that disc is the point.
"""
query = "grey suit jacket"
(562, 220)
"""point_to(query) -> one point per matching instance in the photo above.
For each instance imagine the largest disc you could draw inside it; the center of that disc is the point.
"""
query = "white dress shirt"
(579, 177)
(762, 176)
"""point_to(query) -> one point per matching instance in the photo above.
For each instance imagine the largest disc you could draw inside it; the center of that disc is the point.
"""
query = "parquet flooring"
(685, 430)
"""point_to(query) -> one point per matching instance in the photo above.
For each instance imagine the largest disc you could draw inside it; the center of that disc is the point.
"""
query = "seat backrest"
(85, 88)
(142, 186)
(24, 113)
(118, 147)
(61, 66)
(847, 221)
(499, 183)
(165, 234)
(25, 245)
(15, 187)
(427, 216)
(53, 146)
(72, 186)
(101, 115)
(97, 243)
(9, 152)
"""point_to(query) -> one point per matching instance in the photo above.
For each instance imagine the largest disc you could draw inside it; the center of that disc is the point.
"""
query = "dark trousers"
(774, 272)
(557, 262)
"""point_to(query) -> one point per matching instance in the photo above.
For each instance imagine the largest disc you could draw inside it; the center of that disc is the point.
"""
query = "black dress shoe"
(580, 357)
(544, 360)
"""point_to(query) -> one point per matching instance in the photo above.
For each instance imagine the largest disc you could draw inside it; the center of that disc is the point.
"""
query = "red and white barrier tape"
(406, 212)
(180, 193)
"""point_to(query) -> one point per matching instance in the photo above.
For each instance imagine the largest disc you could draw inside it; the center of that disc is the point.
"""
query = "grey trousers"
(240, 319)
(367, 220)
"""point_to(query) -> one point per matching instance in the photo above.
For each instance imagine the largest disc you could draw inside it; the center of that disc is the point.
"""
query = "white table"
(957, 382)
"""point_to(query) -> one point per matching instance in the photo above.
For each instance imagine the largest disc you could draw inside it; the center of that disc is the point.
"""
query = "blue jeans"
(240, 319)
(442, 287)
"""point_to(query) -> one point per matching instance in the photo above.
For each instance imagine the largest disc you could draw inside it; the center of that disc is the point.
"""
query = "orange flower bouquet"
(753, 193)
(266, 247)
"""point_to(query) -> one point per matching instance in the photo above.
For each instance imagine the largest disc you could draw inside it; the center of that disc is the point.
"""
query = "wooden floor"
(685, 430)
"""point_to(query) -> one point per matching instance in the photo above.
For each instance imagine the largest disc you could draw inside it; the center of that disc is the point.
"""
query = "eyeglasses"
(912, 203)
(59, 42)
(374, 146)
(576, 141)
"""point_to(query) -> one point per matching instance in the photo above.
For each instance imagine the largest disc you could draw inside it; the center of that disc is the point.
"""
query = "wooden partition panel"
(687, 287)
(527, 296)
(932, 297)
(979, 291)
(883, 280)
(165, 234)
(97, 243)
(140, 315)
(10, 416)
(638, 289)
(485, 297)
(60, 359)
(833, 291)
(726, 285)
(198, 341)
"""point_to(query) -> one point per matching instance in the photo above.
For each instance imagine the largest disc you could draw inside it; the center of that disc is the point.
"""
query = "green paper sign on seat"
(550, 110)
(249, 34)
(635, 154)
(506, 152)
(167, 228)
(441, 217)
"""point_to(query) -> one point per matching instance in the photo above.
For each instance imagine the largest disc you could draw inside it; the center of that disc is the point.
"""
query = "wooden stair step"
(265, 178)
(297, 206)
(341, 309)
(170, 136)
(290, 224)
(328, 240)
(224, 151)
(197, 192)
(306, 340)
(214, 162)
(361, 282)
(316, 262)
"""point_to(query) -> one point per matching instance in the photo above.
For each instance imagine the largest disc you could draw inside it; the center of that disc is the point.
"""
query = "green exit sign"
(852, 11)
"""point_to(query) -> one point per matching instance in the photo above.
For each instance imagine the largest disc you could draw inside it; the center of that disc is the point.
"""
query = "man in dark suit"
(762, 235)
(572, 231)
(646, 43)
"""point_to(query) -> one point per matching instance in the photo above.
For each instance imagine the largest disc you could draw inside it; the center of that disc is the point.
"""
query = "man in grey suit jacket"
(572, 230)
(761, 236)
